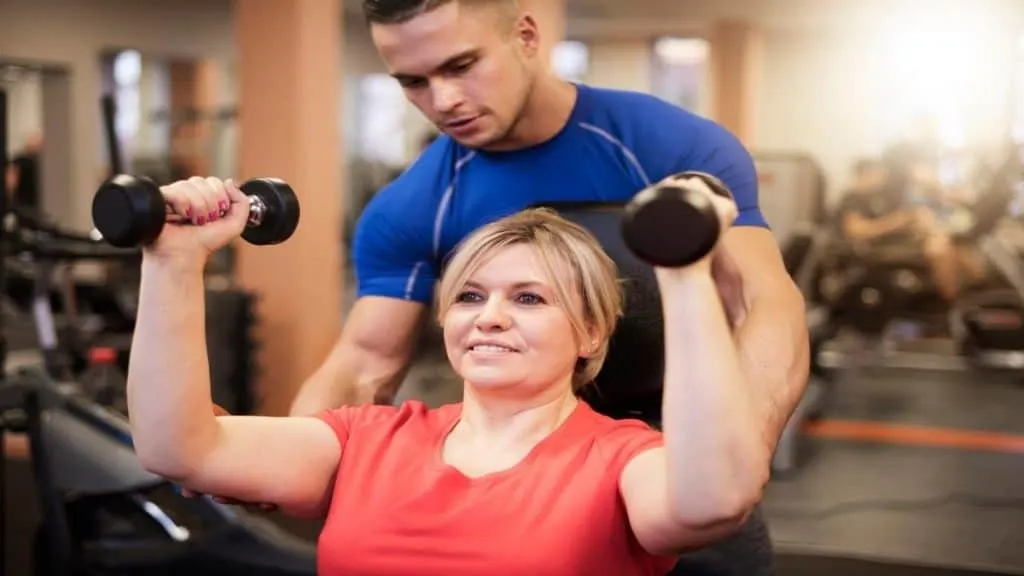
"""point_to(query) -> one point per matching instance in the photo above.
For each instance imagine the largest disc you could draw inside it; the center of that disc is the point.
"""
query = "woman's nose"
(494, 315)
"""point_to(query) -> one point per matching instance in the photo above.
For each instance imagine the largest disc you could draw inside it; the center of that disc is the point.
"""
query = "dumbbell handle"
(257, 211)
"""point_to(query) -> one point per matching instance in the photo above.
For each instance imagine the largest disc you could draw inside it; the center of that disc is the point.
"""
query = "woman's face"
(506, 329)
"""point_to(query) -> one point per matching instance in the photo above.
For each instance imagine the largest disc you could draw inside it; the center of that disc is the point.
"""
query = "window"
(380, 120)
(570, 60)
(679, 71)
(127, 82)
(1018, 89)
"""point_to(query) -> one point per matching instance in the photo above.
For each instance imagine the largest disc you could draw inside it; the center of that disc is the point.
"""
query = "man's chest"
(486, 192)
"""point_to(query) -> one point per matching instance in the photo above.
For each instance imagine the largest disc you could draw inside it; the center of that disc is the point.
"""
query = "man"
(895, 202)
(513, 135)
(23, 179)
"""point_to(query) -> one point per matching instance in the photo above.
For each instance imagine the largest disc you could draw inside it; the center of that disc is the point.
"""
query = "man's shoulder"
(415, 195)
(427, 176)
(663, 136)
(617, 108)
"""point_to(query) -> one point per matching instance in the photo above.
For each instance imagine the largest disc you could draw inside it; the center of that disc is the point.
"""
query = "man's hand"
(263, 506)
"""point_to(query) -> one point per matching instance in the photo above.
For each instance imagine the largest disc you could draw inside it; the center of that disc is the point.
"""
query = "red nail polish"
(213, 216)
(188, 213)
(201, 220)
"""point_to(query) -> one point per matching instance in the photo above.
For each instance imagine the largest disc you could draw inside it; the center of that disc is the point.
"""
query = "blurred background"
(908, 457)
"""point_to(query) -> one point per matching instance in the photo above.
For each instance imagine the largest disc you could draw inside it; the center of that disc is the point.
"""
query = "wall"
(74, 34)
(841, 94)
(24, 94)
(620, 63)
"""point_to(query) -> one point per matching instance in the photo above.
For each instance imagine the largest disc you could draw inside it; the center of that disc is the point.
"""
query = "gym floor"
(909, 473)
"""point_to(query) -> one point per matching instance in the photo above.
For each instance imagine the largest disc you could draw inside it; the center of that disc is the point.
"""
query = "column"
(289, 76)
(193, 99)
(56, 161)
(735, 56)
(550, 15)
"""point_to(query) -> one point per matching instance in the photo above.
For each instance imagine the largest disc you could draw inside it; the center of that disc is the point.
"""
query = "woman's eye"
(529, 298)
(467, 296)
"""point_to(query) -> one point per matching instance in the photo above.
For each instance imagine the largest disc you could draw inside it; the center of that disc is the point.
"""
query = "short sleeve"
(348, 419)
(390, 254)
(722, 155)
(340, 420)
(626, 440)
(676, 140)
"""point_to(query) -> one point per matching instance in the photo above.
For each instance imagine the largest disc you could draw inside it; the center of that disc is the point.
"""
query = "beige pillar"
(289, 77)
(735, 57)
(550, 15)
(194, 86)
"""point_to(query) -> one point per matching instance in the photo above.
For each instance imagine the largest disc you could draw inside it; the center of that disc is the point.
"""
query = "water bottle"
(103, 382)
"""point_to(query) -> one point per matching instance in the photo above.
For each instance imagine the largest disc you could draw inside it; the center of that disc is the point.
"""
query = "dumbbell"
(673, 224)
(130, 211)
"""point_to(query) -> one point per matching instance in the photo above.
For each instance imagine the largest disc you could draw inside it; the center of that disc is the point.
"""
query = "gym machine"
(103, 513)
(865, 292)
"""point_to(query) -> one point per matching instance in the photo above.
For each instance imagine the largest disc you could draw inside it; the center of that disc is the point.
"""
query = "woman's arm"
(286, 461)
(708, 477)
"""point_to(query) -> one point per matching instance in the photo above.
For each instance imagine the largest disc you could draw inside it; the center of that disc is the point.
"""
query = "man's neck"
(545, 114)
(500, 422)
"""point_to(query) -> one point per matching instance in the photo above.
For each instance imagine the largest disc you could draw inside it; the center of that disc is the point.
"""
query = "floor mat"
(819, 565)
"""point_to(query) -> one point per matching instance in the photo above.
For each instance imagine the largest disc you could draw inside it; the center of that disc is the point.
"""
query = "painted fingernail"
(223, 205)
(188, 213)
(201, 220)
(213, 216)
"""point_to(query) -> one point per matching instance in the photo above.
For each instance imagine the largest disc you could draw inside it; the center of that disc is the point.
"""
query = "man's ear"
(527, 33)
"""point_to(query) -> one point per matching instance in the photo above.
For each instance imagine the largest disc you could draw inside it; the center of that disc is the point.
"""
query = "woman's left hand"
(727, 212)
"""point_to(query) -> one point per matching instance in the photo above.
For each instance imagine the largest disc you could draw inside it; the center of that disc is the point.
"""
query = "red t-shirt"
(398, 509)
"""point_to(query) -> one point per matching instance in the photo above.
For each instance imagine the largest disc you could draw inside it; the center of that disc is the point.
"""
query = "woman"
(519, 478)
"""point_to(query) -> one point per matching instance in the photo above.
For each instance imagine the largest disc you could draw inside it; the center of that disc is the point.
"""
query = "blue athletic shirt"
(615, 144)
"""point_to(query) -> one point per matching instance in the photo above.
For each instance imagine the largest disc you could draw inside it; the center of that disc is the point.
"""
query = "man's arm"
(392, 254)
(859, 228)
(370, 359)
(762, 300)
(770, 323)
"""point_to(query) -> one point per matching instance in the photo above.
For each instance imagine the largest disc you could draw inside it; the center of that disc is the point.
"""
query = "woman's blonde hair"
(573, 260)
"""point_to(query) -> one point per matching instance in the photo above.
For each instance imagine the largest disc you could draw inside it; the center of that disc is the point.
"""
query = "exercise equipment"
(630, 383)
(874, 291)
(102, 512)
(130, 211)
(672, 224)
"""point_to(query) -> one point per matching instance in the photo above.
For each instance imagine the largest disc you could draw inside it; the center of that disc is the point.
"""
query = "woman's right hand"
(211, 213)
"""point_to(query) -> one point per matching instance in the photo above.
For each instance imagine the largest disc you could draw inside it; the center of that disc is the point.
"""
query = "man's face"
(464, 67)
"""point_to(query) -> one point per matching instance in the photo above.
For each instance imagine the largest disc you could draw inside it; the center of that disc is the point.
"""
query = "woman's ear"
(592, 343)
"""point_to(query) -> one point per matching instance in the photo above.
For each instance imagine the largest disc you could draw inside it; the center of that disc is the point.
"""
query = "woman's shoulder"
(390, 416)
(618, 437)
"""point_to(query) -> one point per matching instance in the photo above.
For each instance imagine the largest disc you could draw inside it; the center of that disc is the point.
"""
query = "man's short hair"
(399, 11)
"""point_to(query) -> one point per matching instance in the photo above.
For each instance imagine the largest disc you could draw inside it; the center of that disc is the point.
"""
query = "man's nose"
(447, 95)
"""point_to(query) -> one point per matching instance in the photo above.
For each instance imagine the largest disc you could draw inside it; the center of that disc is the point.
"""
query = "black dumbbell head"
(129, 211)
(282, 211)
(670, 225)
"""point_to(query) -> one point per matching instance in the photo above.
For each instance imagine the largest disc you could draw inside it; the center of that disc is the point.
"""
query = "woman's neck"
(496, 422)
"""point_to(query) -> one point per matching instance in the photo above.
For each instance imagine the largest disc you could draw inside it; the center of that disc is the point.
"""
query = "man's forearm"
(772, 341)
(323, 390)
(345, 381)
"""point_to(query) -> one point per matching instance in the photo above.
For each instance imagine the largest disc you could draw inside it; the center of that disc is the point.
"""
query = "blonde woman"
(521, 477)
